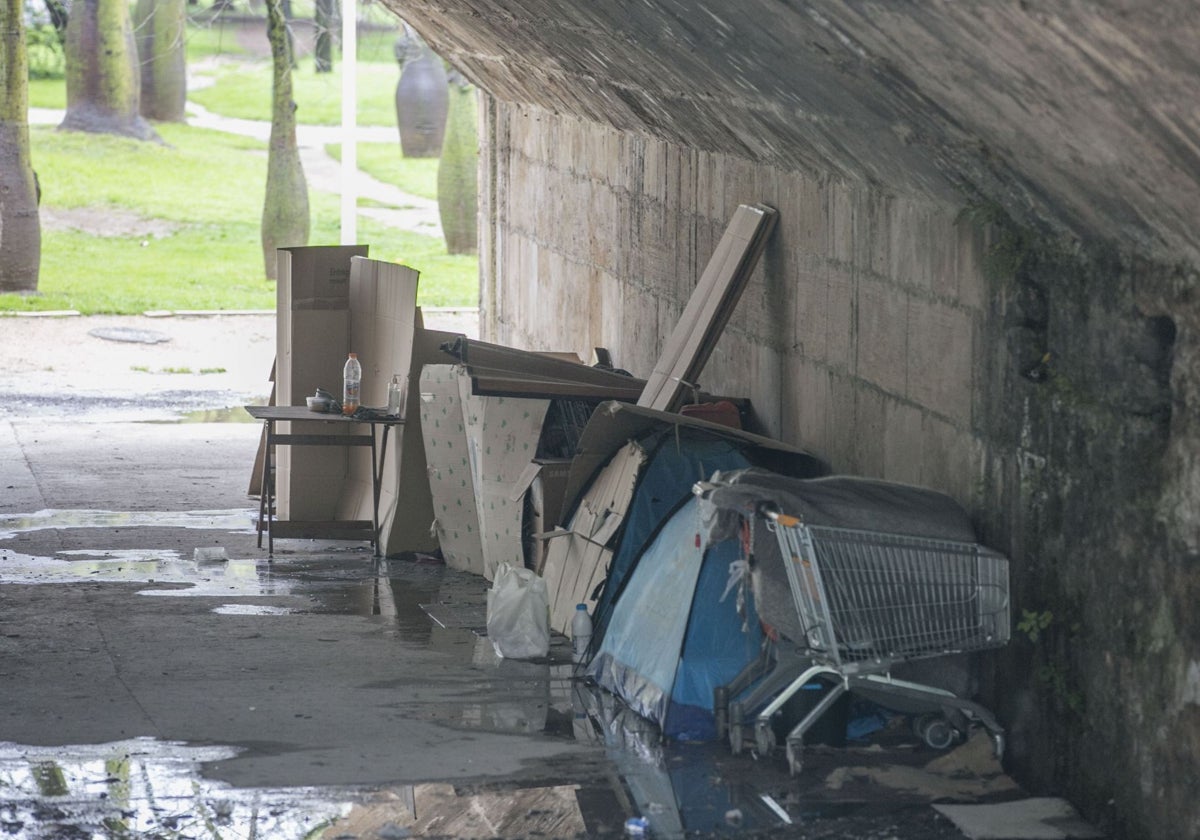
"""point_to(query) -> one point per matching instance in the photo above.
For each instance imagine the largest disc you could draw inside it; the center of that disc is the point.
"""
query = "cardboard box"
(382, 309)
(312, 340)
(386, 329)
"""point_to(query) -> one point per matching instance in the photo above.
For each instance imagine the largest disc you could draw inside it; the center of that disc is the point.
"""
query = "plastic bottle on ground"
(351, 384)
(581, 633)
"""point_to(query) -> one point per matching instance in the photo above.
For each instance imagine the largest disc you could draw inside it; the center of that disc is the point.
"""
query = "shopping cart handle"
(769, 510)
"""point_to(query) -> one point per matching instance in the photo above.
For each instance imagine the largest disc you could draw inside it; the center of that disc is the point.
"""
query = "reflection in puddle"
(438, 810)
(225, 520)
(240, 578)
(146, 788)
(233, 414)
(252, 609)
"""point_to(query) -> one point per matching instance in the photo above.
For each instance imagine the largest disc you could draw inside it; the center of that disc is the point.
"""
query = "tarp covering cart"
(856, 578)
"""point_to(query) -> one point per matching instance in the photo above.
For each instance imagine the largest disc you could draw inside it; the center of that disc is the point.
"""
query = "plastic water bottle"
(351, 384)
(581, 633)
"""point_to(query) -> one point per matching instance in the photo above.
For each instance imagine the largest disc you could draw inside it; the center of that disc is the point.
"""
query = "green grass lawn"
(209, 187)
(208, 184)
(384, 162)
(243, 89)
(47, 93)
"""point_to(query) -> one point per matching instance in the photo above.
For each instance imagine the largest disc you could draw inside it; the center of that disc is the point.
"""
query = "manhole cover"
(129, 334)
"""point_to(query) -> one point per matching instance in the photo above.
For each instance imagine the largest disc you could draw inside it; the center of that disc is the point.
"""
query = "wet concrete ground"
(151, 690)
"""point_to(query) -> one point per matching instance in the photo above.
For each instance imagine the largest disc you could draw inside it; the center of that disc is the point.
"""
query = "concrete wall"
(866, 311)
(903, 337)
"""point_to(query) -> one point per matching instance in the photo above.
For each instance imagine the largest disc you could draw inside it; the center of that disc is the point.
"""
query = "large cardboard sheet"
(312, 339)
(479, 447)
(451, 485)
(577, 559)
(406, 506)
(383, 324)
(502, 437)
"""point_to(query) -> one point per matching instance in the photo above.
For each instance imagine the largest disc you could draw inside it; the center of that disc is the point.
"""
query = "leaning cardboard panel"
(312, 338)
(444, 431)
(477, 449)
(502, 439)
(577, 557)
(406, 516)
(382, 302)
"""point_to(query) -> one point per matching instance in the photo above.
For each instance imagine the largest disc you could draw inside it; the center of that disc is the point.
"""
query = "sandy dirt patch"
(105, 221)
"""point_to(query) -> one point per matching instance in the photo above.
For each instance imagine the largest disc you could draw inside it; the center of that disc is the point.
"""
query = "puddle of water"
(229, 414)
(237, 519)
(146, 788)
(252, 609)
(230, 578)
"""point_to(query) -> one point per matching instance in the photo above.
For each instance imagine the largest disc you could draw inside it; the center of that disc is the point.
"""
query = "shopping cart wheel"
(764, 739)
(935, 731)
(795, 758)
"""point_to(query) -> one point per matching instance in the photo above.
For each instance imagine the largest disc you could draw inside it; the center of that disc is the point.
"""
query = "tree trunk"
(161, 28)
(288, 17)
(285, 208)
(103, 87)
(57, 9)
(324, 19)
(20, 228)
(457, 177)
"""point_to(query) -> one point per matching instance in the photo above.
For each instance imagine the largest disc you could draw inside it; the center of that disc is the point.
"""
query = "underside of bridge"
(983, 280)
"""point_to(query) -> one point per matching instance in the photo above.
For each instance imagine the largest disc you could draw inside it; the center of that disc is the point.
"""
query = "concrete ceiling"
(1078, 115)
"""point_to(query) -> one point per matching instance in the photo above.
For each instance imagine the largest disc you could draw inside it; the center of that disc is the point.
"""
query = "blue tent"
(664, 637)
(676, 461)
(672, 638)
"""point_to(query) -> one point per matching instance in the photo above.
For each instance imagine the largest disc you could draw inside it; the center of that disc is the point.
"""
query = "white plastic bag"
(518, 614)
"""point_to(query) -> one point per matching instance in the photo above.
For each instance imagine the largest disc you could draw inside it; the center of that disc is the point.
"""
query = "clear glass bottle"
(395, 397)
(351, 384)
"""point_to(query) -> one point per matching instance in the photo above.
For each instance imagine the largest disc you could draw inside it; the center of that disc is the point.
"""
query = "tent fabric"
(672, 639)
(677, 461)
(838, 502)
(718, 645)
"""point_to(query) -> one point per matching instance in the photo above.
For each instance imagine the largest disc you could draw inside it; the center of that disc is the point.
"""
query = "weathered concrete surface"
(1073, 112)
(320, 693)
(963, 189)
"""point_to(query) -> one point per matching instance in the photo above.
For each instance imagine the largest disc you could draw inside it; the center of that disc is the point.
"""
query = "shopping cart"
(857, 604)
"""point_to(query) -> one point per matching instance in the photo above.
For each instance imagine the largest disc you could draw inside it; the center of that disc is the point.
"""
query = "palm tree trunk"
(161, 28)
(103, 87)
(20, 227)
(285, 206)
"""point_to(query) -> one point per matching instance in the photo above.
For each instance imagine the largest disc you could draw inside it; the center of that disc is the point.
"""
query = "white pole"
(349, 122)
